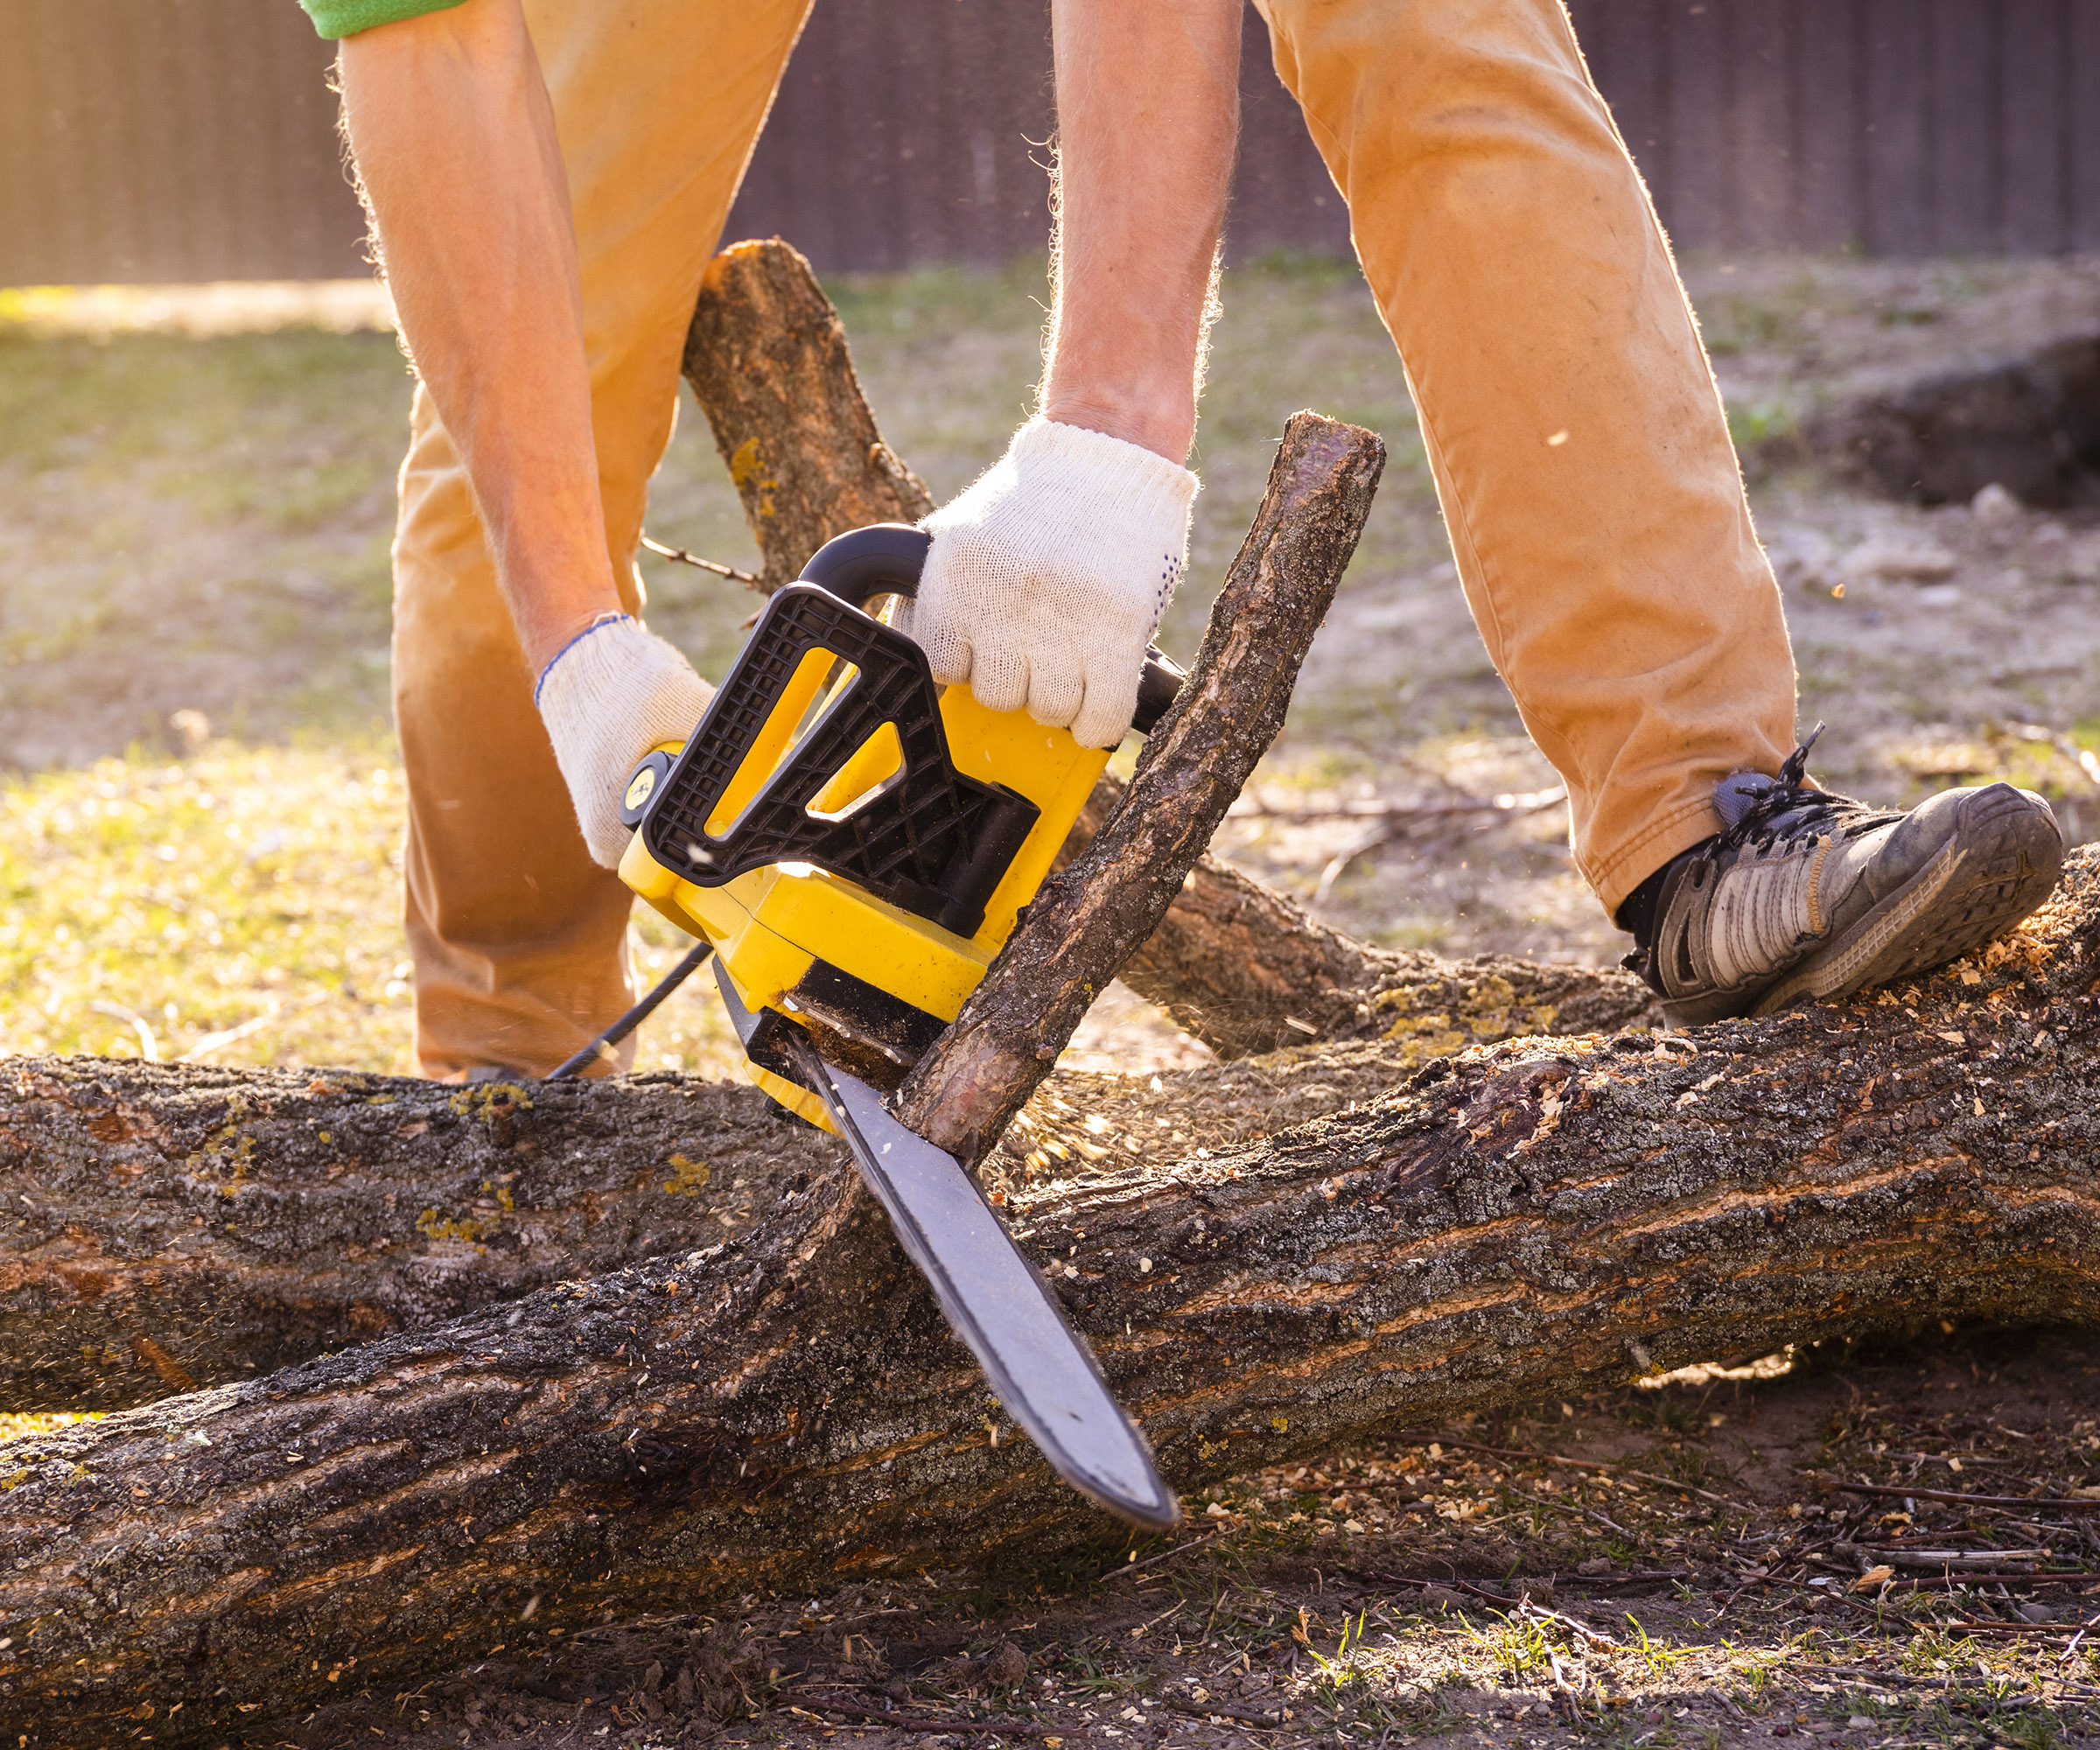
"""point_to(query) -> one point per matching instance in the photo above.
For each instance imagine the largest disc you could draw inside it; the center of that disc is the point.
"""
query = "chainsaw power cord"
(602, 1045)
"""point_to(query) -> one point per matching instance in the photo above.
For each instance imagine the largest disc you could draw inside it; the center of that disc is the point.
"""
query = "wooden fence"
(176, 140)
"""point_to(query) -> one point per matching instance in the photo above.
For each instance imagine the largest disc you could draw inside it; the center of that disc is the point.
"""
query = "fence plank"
(1623, 40)
(1899, 161)
(2081, 74)
(1831, 109)
(1695, 43)
(1763, 39)
(2035, 98)
(1966, 125)
(1281, 195)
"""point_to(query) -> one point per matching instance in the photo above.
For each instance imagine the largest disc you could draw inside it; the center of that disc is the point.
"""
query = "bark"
(786, 1410)
(1088, 917)
(182, 1226)
(767, 357)
(1246, 969)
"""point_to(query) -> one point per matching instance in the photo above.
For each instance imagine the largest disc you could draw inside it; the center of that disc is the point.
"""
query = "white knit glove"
(610, 695)
(1047, 578)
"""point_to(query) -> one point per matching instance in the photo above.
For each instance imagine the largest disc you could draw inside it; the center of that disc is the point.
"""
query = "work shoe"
(1811, 894)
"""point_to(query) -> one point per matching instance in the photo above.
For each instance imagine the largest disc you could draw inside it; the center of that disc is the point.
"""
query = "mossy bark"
(785, 1409)
(175, 1226)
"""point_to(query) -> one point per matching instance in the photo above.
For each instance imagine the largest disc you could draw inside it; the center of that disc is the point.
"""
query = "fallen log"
(785, 1409)
(175, 1227)
(767, 359)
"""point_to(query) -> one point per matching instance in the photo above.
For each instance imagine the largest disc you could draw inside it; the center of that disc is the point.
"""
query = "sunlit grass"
(14, 1427)
(158, 908)
(241, 906)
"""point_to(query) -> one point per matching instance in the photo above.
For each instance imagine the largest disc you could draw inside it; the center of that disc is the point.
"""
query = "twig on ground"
(1210, 1536)
(1906, 1680)
(211, 1043)
(1268, 1722)
(148, 1047)
(1395, 822)
(2069, 1504)
(1601, 1465)
(1016, 1728)
(1593, 1636)
(1401, 815)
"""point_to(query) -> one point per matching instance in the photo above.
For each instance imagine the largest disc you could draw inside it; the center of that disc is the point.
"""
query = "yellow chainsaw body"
(771, 926)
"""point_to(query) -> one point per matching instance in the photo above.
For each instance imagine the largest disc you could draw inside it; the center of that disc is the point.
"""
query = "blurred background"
(1888, 212)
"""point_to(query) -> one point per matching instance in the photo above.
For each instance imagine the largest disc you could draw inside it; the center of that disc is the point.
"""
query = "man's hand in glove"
(610, 695)
(1047, 578)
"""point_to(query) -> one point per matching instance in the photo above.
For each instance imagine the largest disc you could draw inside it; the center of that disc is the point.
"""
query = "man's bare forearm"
(1148, 116)
(455, 142)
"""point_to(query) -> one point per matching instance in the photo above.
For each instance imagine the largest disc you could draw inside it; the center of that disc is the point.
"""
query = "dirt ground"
(193, 518)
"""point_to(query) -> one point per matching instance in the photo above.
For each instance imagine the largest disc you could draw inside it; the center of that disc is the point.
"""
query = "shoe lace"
(1789, 807)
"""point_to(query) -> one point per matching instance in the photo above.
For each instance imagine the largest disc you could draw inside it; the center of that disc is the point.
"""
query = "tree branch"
(767, 359)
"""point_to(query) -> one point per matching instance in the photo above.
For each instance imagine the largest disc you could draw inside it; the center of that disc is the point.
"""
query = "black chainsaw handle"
(886, 559)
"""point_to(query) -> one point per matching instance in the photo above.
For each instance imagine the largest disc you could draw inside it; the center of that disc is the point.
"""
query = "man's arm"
(1047, 577)
(1148, 116)
(455, 141)
(454, 137)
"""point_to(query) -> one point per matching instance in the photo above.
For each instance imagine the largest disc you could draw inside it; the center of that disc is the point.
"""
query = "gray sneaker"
(1811, 894)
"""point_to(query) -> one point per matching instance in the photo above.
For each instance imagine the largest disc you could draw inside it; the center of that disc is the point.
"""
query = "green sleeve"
(347, 17)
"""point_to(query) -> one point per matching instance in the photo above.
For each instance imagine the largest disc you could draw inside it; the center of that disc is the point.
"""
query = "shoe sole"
(2002, 862)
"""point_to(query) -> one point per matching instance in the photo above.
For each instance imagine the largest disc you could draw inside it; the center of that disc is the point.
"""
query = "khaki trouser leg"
(517, 935)
(1580, 452)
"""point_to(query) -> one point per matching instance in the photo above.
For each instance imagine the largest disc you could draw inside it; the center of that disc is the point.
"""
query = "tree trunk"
(786, 1409)
(1246, 969)
(767, 357)
(1086, 919)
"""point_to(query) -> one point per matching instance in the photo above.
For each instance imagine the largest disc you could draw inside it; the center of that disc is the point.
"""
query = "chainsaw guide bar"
(1037, 1366)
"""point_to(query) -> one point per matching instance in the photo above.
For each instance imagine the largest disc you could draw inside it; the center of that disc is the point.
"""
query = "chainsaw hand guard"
(926, 838)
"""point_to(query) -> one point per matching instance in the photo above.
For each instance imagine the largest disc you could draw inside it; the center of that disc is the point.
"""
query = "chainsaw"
(856, 843)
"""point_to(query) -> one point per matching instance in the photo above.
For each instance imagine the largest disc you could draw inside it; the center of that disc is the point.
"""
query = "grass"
(242, 905)
(203, 523)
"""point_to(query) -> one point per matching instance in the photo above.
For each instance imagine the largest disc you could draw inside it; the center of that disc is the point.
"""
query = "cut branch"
(767, 359)
(786, 1409)
(1091, 916)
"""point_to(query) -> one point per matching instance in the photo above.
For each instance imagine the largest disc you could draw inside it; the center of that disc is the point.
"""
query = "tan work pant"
(1579, 449)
